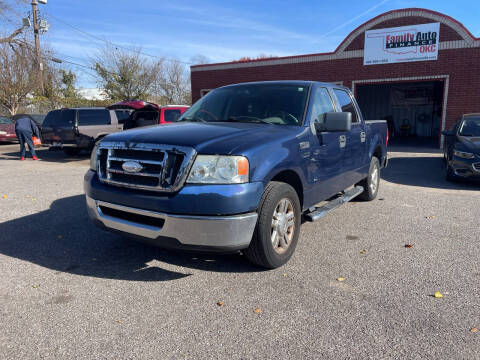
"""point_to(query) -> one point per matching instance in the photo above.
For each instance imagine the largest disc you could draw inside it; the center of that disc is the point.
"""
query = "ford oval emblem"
(132, 167)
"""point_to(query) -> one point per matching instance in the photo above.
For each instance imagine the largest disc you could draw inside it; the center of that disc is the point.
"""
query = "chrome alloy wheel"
(374, 180)
(283, 225)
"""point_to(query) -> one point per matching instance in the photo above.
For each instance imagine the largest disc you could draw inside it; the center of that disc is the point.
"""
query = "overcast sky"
(220, 30)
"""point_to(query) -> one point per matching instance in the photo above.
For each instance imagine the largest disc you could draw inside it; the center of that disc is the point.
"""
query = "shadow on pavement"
(46, 154)
(422, 172)
(414, 145)
(63, 239)
(6, 143)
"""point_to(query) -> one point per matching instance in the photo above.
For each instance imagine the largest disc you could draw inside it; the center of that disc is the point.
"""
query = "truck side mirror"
(335, 122)
(447, 133)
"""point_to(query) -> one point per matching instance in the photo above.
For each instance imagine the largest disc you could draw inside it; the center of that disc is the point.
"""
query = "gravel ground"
(69, 290)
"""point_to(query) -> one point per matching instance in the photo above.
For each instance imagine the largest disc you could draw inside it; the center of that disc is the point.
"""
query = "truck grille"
(476, 167)
(144, 166)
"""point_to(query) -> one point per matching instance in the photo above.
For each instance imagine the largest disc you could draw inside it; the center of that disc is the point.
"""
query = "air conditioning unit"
(43, 26)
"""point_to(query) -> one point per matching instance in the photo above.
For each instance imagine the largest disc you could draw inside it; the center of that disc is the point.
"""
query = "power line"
(114, 44)
(60, 60)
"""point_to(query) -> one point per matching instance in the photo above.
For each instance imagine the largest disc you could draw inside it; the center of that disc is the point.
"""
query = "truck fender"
(280, 164)
(376, 148)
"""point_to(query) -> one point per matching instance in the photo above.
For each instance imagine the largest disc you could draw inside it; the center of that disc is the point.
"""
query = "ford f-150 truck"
(239, 169)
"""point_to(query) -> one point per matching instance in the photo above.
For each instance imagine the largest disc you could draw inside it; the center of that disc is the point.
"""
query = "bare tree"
(199, 60)
(126, 75)
(7, 8)
(174, 83)
(17, 76)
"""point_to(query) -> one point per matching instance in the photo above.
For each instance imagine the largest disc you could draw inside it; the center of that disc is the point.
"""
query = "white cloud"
(91, 93)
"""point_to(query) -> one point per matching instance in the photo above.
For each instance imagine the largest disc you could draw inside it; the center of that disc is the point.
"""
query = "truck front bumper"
(189, 232)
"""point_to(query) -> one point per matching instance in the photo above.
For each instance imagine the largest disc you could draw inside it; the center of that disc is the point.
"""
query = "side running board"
(321, 211)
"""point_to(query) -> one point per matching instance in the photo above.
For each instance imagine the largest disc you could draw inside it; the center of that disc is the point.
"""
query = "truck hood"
(206, 138)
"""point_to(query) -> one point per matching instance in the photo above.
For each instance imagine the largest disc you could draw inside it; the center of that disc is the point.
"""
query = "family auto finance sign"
(401, 44)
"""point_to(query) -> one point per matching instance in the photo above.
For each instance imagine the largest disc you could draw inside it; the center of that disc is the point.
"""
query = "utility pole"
(37, 45)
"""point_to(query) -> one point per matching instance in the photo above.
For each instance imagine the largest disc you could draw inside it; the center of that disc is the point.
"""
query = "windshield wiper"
(249, 119)
(192, 120)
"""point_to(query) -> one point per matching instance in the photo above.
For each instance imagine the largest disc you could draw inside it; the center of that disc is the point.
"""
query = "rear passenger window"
(145, 118)
(66, 117)
(322, 104)
(59, 118)
(51, 118)
(171, 115)
(123, 116)
(93, 117)
(346, 103)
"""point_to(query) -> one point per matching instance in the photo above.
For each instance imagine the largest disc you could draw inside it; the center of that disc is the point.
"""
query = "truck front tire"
(278, 226)
(371, 182)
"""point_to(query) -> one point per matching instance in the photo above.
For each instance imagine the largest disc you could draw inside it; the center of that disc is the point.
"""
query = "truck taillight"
(386, 140)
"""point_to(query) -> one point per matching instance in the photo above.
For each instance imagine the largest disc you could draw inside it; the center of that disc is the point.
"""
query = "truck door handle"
(342, 139)
(363, 136)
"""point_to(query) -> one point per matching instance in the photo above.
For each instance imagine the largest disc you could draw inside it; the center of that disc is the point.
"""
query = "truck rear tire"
(278, 226)
(371, 182)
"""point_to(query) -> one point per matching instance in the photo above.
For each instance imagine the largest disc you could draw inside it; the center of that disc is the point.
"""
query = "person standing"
(25, 128)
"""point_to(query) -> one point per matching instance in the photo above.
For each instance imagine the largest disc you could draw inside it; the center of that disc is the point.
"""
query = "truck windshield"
(282, 104)
(470, 127)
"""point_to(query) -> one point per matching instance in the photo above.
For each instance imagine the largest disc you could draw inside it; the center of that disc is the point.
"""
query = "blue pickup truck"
(240, 170)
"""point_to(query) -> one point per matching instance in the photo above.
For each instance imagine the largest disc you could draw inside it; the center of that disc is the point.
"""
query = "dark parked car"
(462, 148)
(78, 129)
(7, 130)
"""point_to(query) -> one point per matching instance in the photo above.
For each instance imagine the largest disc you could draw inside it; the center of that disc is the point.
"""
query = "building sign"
(401, 44)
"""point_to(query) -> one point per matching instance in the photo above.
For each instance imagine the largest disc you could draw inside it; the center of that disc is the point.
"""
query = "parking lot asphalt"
(71, 291)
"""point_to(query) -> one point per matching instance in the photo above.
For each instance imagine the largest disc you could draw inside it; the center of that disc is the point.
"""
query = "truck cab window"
(346, 103)
(93, 117)
(123, 115)
(321, 104)
(171, 115)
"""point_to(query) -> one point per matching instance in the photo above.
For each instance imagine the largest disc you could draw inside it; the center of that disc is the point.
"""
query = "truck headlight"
(219, 169)
(463, 154)
(93, 158)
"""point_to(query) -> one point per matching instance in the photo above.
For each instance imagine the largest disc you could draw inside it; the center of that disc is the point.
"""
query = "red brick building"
(421, 97)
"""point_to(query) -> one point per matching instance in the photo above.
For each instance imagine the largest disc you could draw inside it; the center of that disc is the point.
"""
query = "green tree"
(68, 80)
(126, 75)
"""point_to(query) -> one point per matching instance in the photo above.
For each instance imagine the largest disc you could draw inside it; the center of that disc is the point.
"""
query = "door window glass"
(171, 115)
(52, 117)
(346, 103)
(57, 118)
(322, 104)
(122, 116)
(93, 117)
(65, 118)
(145, 118)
